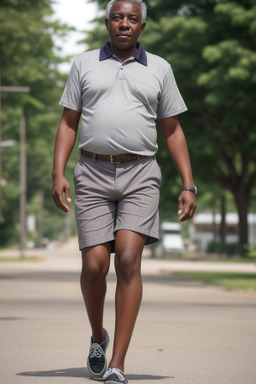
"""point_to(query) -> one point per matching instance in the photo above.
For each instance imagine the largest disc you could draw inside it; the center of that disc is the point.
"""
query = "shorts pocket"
(76, 170)
(159, 172)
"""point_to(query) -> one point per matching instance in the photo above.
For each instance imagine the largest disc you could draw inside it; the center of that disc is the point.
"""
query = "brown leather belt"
(115, 159)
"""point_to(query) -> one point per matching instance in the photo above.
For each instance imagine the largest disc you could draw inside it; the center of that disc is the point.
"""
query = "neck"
(123, 54)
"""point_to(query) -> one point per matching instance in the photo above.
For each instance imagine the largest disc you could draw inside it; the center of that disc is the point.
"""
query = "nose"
(124, 23)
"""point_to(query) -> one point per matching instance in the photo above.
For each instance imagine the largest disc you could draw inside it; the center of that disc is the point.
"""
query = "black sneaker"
(114, 376)
(97, 361)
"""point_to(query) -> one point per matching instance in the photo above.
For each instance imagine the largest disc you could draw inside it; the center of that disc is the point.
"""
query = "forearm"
(178, 150)
(65, 140)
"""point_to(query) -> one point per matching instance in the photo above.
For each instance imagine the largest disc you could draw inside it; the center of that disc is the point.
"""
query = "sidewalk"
(186, 333)
(71, 255)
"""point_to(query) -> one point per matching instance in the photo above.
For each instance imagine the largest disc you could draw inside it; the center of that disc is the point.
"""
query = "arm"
(65, 140)
(177, 148)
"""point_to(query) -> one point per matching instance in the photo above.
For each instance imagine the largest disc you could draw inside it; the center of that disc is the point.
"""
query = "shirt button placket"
(121, 73)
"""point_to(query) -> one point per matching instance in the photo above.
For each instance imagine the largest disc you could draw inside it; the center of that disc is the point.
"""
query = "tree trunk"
(240, 185)
(242, 203)
(223, 227)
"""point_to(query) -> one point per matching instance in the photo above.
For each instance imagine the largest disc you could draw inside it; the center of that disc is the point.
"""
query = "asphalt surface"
(186, 332)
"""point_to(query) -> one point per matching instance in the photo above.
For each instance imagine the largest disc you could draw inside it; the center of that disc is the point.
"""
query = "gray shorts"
(110, 197)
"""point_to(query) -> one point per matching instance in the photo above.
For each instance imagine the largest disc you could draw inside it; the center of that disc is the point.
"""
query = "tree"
(211, 47)
(28, 58)
(223, 78)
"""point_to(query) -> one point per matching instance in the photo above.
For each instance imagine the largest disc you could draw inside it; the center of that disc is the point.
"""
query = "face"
(124, 25)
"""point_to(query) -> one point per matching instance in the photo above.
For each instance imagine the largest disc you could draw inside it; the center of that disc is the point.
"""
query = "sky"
(77, 13)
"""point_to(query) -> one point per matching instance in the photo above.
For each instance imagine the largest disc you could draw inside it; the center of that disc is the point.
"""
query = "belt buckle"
(112, 159)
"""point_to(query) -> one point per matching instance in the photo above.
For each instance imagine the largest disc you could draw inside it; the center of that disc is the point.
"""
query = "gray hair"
(140, 3)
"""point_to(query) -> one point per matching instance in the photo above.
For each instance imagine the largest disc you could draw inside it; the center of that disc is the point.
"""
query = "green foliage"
(10, 199)
(229, 249)
(98, 36)
(28, 58)
(251, 251)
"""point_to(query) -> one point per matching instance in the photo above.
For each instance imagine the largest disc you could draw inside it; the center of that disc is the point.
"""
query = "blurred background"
(211, 46)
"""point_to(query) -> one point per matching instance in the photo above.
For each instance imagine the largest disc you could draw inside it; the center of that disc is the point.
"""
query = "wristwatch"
(194, 190)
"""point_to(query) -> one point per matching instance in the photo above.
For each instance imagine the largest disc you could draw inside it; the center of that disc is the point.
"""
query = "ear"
(106, 23)
(143, 26)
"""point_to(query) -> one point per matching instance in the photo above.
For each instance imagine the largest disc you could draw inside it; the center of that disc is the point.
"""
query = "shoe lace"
(96, 351)
(115, 371)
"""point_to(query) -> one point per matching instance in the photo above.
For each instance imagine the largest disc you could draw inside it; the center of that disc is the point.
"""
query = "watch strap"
(193, 190)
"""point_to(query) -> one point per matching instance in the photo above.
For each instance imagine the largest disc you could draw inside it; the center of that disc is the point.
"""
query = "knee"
(92, 272)
(94, 268)
(127, 266)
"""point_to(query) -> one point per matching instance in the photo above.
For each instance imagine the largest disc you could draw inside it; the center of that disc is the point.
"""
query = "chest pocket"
(145, 93)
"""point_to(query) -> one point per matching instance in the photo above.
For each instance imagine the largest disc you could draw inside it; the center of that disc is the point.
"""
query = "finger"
(189, 213)
(68, 194)
(180, 206)
(184, 217)
(62, 205)
(58, 199)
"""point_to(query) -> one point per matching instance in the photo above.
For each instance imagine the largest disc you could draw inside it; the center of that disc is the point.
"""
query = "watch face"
(194, 190)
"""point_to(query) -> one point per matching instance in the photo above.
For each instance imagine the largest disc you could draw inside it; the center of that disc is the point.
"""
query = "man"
(120, 91)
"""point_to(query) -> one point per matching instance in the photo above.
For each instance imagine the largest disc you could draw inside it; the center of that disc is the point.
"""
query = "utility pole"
(23, 185)
(22, 164)
(1, 173)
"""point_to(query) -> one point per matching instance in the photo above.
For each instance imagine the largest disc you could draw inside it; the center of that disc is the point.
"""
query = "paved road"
(187, 333)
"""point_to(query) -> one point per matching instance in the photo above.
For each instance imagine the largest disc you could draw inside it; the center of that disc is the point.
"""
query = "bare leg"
(93, 284)
(129, 246)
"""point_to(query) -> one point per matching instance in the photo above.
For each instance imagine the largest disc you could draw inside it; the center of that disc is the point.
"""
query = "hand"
(60, 186)
(188, 199)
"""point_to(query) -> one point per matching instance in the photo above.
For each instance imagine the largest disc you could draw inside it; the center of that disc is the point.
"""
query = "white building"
(205, 228)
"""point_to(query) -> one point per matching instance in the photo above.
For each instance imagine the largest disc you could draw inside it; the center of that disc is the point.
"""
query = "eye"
(133, 20)
(116, 18)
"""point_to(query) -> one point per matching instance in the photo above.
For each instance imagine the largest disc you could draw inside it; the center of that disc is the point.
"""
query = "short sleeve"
(171, 102)
(72, 95)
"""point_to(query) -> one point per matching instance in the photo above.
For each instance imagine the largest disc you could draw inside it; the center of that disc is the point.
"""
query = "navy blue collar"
(140, 54)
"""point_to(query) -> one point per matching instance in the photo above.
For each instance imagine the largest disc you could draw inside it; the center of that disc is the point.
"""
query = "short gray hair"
(140, 3)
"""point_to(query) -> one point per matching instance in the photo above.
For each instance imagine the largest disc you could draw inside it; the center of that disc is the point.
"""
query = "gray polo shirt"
(120, 102)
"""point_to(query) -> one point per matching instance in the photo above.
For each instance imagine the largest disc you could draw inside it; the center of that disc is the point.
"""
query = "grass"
(230, 260)
(211, 258)
(230, 281)
(18, 258)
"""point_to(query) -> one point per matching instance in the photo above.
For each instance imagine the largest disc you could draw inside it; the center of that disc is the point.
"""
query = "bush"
(250, 251)
(230, 249)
